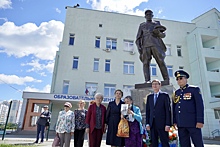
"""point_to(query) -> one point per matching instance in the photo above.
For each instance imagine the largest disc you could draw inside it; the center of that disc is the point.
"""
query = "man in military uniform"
(149, 43)
(188, 111)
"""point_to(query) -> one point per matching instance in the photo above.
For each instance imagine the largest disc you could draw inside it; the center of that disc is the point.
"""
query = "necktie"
(155, 98)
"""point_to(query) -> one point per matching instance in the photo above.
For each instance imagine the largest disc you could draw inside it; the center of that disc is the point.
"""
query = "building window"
(97, 42)
(168, 52)
(179, 53)
(153, 69)
(128, 67)
(65, 86)
(96, 65)
(71, 39)
(107, 65)
(75, 62)
(127, 90)
(170, 70)
(217, 113)
(181, 67)
(91, 89)
(109, 90)
(111, 43)
(128, 45)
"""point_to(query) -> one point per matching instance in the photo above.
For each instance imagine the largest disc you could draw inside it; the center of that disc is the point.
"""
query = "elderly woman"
(95, 121)
(113, 116)
(135, 127)
(80, 124)
(65, 125)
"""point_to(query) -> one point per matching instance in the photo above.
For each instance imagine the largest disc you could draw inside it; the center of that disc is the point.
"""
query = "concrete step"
(217, 138)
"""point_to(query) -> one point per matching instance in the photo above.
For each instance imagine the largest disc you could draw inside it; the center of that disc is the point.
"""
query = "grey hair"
(99, 94)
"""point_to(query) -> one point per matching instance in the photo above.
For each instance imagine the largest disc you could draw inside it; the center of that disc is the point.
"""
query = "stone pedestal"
(140, 97)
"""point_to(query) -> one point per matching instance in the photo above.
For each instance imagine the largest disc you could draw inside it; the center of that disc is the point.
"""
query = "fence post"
(3, 135)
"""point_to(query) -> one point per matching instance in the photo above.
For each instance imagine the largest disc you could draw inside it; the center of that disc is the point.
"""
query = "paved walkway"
(208, 143)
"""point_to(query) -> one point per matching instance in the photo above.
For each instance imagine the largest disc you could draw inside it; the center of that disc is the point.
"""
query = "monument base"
(140, 97)
(144, 85)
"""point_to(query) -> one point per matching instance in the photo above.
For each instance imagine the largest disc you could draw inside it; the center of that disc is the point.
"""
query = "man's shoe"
(41, 142)
(36, 142)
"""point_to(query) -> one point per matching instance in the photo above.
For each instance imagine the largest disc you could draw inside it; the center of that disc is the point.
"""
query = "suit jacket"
(160, 113)
(188, 108)
(91, 117)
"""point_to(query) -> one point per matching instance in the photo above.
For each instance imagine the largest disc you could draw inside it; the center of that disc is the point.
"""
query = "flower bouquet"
(173, 136)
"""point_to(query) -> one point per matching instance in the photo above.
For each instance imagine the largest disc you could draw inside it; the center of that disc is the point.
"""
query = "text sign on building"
(77, 97)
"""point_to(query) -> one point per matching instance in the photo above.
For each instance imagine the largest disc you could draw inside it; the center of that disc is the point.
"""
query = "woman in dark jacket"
(95, 121)
(113, 116)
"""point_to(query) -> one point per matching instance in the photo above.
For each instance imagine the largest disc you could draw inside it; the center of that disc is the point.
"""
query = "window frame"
(170, 70)
(71, 37)
(179, 50)
(168, 46)
(128, 44)
(75, 61)
(129, 66)
(111, 89)
(111, 41)
(91, 87)
(97, 40)
(96, 62)
(65, 83)
(153, 66)
(107, 63)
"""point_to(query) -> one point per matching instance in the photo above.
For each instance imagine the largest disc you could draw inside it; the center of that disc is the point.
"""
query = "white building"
(15, 111)
(3, 112)
(98, 53)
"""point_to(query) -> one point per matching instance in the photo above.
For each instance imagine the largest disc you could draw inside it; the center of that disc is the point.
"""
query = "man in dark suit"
(149, 43)
(188, 111)
(158, 115)
(41, 123)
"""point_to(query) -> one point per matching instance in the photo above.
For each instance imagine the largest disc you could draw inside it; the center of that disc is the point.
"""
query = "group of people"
(187, 113)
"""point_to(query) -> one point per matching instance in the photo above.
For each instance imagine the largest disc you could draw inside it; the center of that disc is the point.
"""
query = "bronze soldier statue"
(149, 43)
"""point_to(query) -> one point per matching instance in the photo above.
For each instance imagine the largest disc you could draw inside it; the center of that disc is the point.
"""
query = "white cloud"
(58, 10)
(13, 79)
(37, 66)
(32, 89)
(29, 39)
(4, 19)
(5, 4)
(121, 6)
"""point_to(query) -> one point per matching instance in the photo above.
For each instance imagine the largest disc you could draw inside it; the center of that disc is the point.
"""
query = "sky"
(31, 30)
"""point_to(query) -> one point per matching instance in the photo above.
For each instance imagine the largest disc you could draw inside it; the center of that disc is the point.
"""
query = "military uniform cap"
(181, 73)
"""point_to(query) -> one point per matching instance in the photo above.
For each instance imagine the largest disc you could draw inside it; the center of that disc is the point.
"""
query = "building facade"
(98, 54)
(15, 111)
(3, 111)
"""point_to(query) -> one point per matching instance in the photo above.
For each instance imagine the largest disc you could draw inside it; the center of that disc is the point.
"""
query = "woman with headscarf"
(135, 127)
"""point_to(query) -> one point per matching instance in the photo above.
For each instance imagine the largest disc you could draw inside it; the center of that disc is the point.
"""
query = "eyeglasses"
(179, 78)
(66, 106)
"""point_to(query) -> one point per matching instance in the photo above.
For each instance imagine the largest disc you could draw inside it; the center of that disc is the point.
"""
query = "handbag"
(123, 128)
(56, 141)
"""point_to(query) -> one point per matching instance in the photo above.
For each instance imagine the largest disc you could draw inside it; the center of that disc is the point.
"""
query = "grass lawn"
(10, 145)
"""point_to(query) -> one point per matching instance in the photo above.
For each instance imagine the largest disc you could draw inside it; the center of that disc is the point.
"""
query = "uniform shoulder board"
(143, 23)
(193, 86)
(173, 95)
